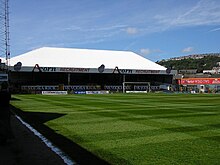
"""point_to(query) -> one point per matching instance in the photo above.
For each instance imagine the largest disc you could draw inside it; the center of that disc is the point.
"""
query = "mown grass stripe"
(135, 128)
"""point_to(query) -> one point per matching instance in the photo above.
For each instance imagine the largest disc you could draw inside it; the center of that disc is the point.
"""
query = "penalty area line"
(48, 143)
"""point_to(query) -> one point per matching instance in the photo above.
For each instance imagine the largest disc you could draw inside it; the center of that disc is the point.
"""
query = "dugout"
(101, 69)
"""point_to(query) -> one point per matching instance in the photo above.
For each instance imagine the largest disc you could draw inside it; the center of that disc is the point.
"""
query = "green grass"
(136, 128)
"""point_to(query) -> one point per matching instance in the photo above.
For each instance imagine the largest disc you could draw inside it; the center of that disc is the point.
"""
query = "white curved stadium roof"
(84, 58)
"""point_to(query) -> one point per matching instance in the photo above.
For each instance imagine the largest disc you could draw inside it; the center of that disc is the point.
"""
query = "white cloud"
(188, 49)
(147, 51)
(131, 30)
(214, 30)
(205, 12)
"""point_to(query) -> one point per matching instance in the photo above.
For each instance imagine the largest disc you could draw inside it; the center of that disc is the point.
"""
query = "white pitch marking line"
(49, 144)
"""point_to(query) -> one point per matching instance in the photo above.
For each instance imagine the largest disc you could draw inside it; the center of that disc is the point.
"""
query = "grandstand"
(83, 69)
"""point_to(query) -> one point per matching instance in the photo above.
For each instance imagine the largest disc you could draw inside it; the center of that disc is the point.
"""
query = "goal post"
(136, 83)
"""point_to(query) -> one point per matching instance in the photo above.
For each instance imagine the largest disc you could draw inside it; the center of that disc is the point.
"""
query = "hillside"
(192, 62)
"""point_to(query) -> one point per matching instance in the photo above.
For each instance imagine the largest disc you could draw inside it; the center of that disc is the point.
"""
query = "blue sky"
(155, 29)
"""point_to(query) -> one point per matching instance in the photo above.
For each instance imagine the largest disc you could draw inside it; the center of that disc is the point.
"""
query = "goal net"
(136, 87)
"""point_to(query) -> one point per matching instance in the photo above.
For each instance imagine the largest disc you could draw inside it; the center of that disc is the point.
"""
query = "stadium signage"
(91, 92)
(79, 92)
(147, 71)
(54, 93)
(97, 92)
(100, 69)
(48, 69)
(3, 77)
(40, 88)
(82, 87)
(125, 71)
(200, 81)
(113, 87)
(136, 87)
(55, 87)
(75, 70)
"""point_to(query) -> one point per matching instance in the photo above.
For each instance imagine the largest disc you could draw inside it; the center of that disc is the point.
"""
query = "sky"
(154, 29)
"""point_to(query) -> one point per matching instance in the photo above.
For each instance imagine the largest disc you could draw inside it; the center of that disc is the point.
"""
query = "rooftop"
(84, 58)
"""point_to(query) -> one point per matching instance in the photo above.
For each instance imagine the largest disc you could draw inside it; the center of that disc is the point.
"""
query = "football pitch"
(135, 128)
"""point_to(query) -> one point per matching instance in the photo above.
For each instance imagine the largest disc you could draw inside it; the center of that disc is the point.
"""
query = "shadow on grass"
(73, 150)
(15, 99)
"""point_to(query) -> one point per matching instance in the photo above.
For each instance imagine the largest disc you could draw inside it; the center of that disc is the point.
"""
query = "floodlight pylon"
(4, 31)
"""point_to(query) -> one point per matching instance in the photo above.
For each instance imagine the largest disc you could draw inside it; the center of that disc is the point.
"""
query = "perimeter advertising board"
(3, 77)
(54, 93)
(199, 81)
